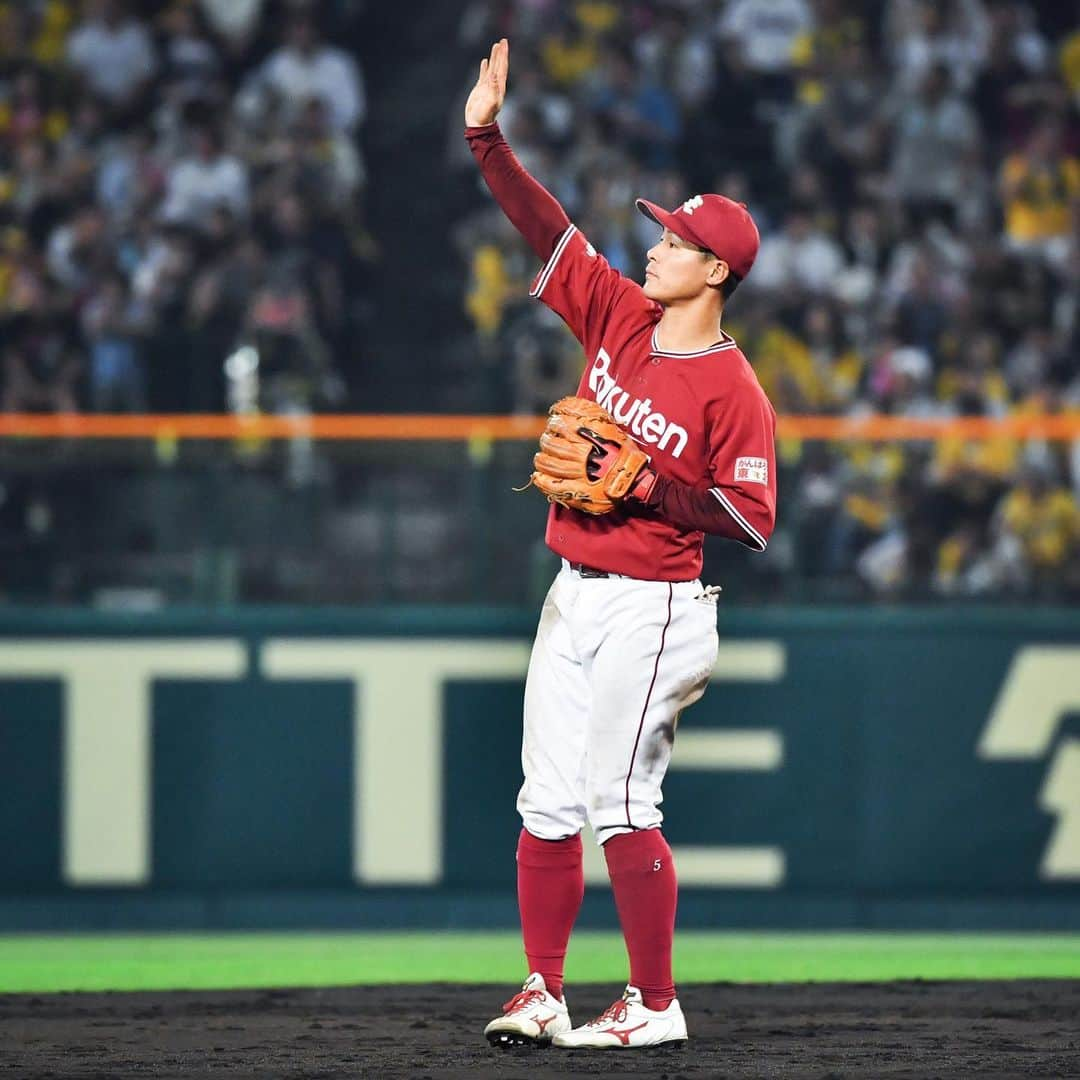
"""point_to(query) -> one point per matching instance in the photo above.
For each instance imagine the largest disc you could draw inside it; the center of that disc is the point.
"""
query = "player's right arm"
(575, 281)
(531, 208)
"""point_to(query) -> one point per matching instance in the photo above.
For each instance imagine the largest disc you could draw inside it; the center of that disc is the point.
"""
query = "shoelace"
(523, 1000)
(615, 1013)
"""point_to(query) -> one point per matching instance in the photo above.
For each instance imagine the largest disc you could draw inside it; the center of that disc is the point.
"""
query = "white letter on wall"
(106, 739)
(398, 736)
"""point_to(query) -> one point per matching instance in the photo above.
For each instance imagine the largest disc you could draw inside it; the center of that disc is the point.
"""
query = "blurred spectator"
(950, 35)
(28, 113)
(976, 375)
(130, 177)
(111, 50)
(921, 312)
(206, 179)
(731, 128)
(808, 371)
(293, 359)
(641, 111)
(1044, 520)
(866, 243)
(801, 257)
(1028, 364)
(40, 367)
(305, 68)
(544, 363)
(839, 124)
(112, 326)
(676, 50)
(234, 21)
(163, 266)
(766, 31)
(74, 251)
(1040, 189)
(900, 381)
(935, 145)
(1013, 86)
(191, 65)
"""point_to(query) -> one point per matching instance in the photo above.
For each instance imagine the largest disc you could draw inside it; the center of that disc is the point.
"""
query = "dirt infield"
(910, 1029)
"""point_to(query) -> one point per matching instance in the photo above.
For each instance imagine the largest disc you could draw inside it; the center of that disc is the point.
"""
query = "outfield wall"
(284, 767)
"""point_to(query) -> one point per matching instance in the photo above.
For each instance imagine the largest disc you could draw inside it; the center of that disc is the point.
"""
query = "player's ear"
(719, 272)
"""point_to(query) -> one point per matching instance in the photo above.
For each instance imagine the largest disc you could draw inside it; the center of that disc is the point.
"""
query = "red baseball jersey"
(701, 416)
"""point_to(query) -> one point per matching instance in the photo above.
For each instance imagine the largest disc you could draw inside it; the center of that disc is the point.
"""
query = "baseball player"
(627, 635)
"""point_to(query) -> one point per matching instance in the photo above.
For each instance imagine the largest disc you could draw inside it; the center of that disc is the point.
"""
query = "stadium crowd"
(183, 227)
(912, 167)
(178, 178)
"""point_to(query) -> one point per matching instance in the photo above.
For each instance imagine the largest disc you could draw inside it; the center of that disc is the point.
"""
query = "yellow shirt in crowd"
(1040, 204)
(989, 457)
(1047, 525)
(792, 379)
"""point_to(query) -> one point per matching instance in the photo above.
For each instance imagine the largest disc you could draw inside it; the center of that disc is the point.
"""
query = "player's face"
(676, 269)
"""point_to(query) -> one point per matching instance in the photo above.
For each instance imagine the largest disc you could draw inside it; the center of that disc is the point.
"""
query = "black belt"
(590, 571)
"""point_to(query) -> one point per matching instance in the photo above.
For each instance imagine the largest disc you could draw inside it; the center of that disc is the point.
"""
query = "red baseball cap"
(715, 223)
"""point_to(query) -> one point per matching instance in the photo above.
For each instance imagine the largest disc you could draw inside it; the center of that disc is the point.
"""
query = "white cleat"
(627, 1024)
(531, 1018)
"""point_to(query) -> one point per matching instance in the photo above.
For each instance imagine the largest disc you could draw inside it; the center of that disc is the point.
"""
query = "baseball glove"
(586, 461)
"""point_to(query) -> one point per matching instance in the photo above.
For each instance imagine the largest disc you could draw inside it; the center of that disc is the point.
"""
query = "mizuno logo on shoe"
(624, 1035)
(542, 1024)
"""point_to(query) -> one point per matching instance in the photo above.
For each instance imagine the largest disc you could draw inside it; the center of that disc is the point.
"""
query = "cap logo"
(692, 204)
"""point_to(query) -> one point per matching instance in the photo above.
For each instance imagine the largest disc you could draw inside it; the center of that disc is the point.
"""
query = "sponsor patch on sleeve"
(751, 470)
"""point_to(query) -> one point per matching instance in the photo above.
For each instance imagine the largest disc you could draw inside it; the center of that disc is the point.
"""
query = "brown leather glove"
(586, 461)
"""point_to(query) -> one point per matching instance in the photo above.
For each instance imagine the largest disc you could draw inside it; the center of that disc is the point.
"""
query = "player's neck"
(689, 327)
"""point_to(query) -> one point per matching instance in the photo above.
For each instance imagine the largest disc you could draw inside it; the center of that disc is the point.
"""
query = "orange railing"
(420, 427)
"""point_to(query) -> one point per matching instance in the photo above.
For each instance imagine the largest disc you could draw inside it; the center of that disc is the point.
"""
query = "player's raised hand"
(487, 95)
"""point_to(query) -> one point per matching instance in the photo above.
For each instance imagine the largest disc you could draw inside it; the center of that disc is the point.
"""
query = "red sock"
(642, 874)
(551, 885)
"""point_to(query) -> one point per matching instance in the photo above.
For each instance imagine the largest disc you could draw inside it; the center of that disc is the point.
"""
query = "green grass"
(35, 963)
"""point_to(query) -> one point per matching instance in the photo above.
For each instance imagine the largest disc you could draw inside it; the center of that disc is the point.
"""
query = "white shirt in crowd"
(233, 19)
(114, 61)
(328, 74)
(197, 186)
(785, 261)
(766, 30)
(960, 45)
(932, 151)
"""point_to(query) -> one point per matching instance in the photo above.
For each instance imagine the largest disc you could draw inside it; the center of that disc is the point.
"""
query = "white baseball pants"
(614, 662)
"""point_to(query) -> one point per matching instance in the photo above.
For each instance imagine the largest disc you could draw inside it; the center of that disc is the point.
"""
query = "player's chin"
(652, 290)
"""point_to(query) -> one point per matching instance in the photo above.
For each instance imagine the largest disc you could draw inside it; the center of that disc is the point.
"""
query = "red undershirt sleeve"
(531, 208)
(694, 508)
